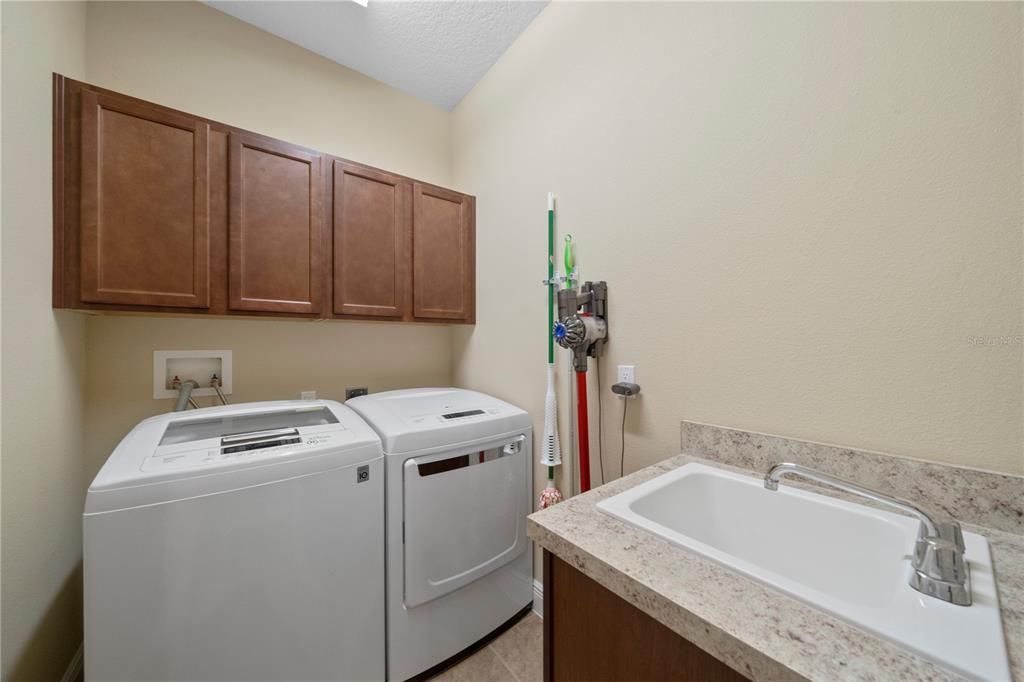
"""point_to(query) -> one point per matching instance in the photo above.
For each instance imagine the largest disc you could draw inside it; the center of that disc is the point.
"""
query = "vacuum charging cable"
(626, 390)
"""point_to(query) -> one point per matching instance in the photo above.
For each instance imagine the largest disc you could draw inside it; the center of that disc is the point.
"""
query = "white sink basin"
(847, 559)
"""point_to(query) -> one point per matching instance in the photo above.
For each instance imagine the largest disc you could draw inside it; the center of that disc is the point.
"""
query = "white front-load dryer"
(458, 492)
(238, 543)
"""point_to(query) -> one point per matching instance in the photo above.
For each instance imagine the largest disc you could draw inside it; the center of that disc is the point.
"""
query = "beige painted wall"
(43, 361)
(804, 213)
(272, 360)
(191, 57)
(194, 58)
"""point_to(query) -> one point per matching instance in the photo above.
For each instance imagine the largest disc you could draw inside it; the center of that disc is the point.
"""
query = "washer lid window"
(226, 425)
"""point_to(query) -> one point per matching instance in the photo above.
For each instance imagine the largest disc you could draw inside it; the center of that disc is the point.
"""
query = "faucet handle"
(942, 573)
(949, 532)
(940, 569)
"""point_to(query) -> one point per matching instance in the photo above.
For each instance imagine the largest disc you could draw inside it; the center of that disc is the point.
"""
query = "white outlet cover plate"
(195, 358)
(626, 374)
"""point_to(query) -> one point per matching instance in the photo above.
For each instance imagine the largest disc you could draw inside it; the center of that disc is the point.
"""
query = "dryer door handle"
(515, 447)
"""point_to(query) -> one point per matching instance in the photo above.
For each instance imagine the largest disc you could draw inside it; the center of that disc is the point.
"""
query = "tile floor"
(515, 656)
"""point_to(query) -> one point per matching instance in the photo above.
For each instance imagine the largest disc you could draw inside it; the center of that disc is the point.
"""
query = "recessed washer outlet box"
(198, 365)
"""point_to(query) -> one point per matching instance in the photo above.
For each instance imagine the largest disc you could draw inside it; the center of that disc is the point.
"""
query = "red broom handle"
(583, 430)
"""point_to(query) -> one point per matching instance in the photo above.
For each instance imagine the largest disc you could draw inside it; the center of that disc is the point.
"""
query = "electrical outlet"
(307, 395)
(356, 392)
(626, 375)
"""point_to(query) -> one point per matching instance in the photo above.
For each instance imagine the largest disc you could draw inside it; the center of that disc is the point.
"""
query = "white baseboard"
(74, 668)
(538, 598)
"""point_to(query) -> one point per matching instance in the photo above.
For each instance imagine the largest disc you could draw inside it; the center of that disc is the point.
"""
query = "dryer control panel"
(418, 419)
(457, 417)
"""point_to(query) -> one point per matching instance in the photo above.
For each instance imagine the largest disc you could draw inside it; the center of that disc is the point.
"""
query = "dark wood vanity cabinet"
(156, 210)
(591, 634)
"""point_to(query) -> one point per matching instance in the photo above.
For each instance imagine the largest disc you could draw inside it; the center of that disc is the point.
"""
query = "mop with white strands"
(551, 454)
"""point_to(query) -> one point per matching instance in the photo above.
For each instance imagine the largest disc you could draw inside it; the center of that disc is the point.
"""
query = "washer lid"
(418, 419)
(211, 450)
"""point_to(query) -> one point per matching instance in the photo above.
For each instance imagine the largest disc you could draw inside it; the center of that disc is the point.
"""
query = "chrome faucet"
(940, 570)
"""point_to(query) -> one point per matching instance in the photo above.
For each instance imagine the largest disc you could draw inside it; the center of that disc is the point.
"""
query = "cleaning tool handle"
(551, 276)
(551, 298)
(569, 261)
(583, 430)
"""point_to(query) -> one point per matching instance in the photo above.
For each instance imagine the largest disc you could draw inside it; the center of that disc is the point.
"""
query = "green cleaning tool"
(551, 455)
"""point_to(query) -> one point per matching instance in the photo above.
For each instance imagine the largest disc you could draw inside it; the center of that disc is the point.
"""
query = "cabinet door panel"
(275, 227)
(612, 639)
(144, 205)
(371, 242)
(443, 254)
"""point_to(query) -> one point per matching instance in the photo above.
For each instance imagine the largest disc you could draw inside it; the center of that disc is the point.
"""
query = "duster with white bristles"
(551, 454)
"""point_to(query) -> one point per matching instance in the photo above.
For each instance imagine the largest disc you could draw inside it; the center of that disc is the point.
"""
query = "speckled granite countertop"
(756, 630)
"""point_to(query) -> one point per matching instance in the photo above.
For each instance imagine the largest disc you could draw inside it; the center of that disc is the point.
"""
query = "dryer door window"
(465, 516)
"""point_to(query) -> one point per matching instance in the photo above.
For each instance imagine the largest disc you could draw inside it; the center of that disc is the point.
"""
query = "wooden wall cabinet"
(372, 241)
(275, 231)
(156, 210)
(444, 254)
(145, 191)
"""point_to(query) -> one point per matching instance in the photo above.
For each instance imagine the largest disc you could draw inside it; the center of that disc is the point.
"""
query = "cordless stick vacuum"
(551, 455)
(582, 327)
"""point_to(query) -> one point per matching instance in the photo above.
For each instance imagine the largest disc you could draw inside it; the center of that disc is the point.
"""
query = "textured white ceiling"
(433, 50)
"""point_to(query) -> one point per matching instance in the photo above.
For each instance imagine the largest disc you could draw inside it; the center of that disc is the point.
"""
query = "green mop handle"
(551, 278)
(551, 293)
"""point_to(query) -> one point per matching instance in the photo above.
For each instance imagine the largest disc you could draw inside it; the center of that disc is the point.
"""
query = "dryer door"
(465, 516)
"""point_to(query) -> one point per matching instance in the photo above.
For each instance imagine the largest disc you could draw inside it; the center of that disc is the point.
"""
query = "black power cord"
(622, 456)
(626, 390)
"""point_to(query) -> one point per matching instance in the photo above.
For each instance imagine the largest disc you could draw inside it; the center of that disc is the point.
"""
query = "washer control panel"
(232, 452)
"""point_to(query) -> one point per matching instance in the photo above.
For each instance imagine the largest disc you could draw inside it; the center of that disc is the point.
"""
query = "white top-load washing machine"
(238, 543)
(458, 493)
